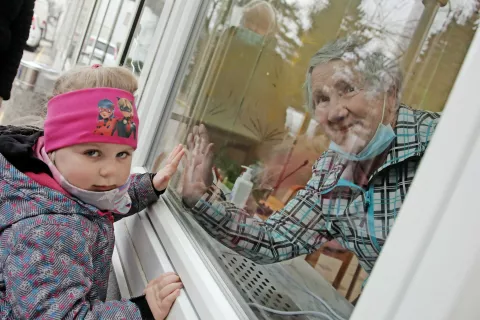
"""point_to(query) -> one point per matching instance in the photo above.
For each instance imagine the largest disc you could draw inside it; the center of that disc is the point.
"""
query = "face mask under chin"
(382, 139)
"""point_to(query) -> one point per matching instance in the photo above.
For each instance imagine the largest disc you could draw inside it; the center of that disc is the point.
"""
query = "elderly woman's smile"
(347, 108)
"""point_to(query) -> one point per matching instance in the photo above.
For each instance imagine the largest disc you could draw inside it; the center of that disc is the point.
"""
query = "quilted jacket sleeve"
(48, 276)
(299, 228)
(141, 192)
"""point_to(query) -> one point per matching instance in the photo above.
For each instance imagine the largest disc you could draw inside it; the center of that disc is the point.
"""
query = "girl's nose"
(107, 170)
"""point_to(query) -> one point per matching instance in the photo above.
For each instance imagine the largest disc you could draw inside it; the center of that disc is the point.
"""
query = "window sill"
(152, 242)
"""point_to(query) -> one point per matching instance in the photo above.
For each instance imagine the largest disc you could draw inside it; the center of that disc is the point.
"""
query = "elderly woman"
(357, 186)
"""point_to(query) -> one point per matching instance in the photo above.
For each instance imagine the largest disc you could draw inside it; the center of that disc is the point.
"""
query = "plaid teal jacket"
(360, 218)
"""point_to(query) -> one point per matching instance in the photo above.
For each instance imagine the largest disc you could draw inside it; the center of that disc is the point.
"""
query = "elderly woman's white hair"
(380, 74)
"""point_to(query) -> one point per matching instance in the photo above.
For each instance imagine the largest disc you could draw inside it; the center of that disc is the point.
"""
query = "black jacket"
(15, 20)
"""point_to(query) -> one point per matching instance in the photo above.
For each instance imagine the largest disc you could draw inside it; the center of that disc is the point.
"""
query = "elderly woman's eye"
(349, 89)
(322, 98)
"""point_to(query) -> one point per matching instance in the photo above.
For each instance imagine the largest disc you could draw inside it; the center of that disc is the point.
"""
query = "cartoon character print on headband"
(106, 118)
(125, 127)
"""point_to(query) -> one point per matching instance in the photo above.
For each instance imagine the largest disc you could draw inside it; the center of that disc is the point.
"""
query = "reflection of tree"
(289, 28)
(262, 130)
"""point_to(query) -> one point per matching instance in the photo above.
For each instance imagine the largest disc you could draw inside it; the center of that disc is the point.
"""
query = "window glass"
(142, 38)
(107, 32)
(331, 106)
(74, 33)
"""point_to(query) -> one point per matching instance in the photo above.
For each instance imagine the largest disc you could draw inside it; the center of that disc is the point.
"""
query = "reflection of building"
(242, 49)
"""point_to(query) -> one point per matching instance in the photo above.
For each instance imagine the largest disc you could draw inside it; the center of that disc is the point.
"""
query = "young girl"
(61, 189)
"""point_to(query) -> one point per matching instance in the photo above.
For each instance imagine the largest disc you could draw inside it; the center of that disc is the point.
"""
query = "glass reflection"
(332, 136)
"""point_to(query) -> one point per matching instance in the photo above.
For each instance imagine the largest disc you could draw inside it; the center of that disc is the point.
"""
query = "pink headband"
(102, 115)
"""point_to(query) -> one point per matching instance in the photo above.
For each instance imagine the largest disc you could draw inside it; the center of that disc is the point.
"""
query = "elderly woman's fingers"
(209, 150)
(203, 145)
(207, 174)
(196, 146)
(190, 141)
(195, 130)
(203, 132)
(191, 137)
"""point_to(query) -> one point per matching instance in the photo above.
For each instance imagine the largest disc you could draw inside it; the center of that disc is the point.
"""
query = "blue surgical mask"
(250, 37)
(381, 140)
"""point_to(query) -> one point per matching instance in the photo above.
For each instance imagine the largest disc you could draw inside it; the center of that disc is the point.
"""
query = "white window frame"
(143, 83)
(138, 258)
(155, 104)
(152, 242)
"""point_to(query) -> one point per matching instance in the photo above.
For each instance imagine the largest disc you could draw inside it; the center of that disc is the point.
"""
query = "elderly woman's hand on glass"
(198, 175)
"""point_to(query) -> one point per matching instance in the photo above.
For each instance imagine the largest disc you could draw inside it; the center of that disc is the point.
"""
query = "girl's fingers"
(178, 156)
(154, 304)
(170, 169)
(163, 281)
(169, 289)
(173, 153)
(161, 277)
(170, 299)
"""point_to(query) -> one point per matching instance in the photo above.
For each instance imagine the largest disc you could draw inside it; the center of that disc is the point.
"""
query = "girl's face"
(95, 166)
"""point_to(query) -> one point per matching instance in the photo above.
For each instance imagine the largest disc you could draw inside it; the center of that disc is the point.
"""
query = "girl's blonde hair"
(78, 78)
(101, 77)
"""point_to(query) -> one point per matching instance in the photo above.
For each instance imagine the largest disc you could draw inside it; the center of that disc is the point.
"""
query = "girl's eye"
(123, 155)
(92, 153)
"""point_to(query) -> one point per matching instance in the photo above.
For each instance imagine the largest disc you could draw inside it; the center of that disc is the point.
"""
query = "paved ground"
(26, 106)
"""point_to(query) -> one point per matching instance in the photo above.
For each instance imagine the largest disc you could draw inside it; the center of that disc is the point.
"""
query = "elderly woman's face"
(347, 111)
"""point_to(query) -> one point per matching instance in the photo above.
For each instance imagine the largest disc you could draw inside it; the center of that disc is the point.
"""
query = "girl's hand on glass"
(161, 293)
(161, 179)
